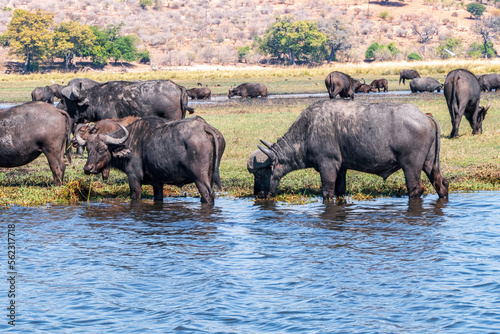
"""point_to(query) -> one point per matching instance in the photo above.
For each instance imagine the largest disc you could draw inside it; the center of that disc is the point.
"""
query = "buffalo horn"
(488, 107)
(117, 141)
(267, 152)
(79, 139)
(265, 142)
(364, 82)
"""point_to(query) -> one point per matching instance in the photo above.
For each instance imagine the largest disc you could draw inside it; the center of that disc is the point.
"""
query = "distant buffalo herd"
(140, 128)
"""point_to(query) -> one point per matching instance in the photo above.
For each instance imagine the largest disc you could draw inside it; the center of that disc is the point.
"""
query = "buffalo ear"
(121, 152)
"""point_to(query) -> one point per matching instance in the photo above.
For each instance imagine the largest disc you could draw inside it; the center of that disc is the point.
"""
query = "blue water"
(380, 266)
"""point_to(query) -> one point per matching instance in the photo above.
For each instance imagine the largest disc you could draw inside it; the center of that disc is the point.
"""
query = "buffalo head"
(102, 148)
(75, 93)
(232, 92)
(261, 164)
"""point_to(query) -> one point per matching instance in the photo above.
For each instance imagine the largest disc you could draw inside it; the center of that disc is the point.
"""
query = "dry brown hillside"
(209, 32)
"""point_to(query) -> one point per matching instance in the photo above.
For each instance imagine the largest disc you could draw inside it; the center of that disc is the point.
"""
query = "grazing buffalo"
(408, 75)
(155, 151)
(380, 83)
(119, 99)
(84, 83)
(44, 94)
(462, 93)
(31, 129)
(249, 90)
(199, 93)
(336, 135)
(364, 88)
(425, 85)
(104, 126)
(488, 82)
(338, 83)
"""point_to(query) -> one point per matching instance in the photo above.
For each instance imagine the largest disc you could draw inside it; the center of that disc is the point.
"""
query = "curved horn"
(364, 82)
(488, 107)
(79, 139)
(117, 141)
(265, 142)
(267, 152)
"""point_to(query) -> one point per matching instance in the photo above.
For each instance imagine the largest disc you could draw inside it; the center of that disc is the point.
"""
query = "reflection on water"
(387, 265)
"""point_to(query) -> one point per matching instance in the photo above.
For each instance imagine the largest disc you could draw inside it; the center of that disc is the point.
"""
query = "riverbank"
(471, 163)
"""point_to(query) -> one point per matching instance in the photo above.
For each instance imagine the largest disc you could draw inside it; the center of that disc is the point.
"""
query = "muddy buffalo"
(425, 85)
(338, 83)
(155, 151)
(203, 93)
(407, 75)
(462, 93)
(380, 84)
(249, 90)
(31, 129)
(119, 99)
(336, 135)
(364, 88)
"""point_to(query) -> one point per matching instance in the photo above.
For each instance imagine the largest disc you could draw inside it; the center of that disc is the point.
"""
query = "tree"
(29, 36)
(475, 9)
(488, 28)
(448, 47)
(104, 43)
(478, 50)
(70, 39)
(425, 29)
(291, 39)
(124, 48)
(145, 3)
(338, 36)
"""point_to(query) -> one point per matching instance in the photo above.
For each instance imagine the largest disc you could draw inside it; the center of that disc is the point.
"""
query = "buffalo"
(425, 85)
(47, 93)
(119, 99)
(364, 88)
(488, 82)
(84, 83)
(104, 126)
(380, 83)
(248, 90)
(199, 93)
(462, 93)
(407, 75)
(336, 135)
(31, 129)
(338, 83)
(155, 151)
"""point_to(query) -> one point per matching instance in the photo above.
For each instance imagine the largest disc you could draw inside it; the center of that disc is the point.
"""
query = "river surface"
(380, 266)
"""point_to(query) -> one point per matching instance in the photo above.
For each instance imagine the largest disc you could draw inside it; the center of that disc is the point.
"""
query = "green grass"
(470, 162)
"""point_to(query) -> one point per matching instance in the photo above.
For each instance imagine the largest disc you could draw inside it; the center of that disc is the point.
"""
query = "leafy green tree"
(291, 39)
(382, 52)
(124, 48)
(477, 50)
(414, 56)
(370, 52)
(475, 9)
(489, 29)
(104, 48)
(29, 36)
(448, 47)
(72, 39)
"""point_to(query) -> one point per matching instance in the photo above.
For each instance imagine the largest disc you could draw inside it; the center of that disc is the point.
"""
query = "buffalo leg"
(438, 181)
(206, 192)
(135, 188)
(328, 178)
(340, 183)
(413, 183)
(456, 124)
(158, 192)
(56, 164)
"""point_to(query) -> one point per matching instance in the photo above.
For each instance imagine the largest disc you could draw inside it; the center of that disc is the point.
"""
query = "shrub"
(370, 52)
(448, 45)
(476, 50)
(475, 9)
(383, 15)
(414, 56)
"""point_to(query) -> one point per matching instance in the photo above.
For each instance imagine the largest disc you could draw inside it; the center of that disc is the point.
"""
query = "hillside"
(187, 32)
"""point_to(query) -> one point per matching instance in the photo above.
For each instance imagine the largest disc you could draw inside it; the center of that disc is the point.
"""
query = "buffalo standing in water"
(338, 83)
(249, 90)
(33, 128)
(336, 135)
(155, 151)
(407, 75)
(462, 93)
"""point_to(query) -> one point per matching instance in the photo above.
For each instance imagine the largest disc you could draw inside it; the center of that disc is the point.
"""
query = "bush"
(475, 9)
(383, 15)
(414, 56)
(476, 50)
(450, 44)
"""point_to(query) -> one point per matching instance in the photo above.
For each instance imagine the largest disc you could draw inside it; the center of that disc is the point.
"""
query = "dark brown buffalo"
(380, 83)
(364, 88)
(488, 82)
(462, 93)
(105, 126)
(425, 85)
(334, 136)
(119, 99)
(249, 90)
(407, 75)
(203, 93)
(30, 129)
(44, 94)
(338, 83)
(155, 151)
